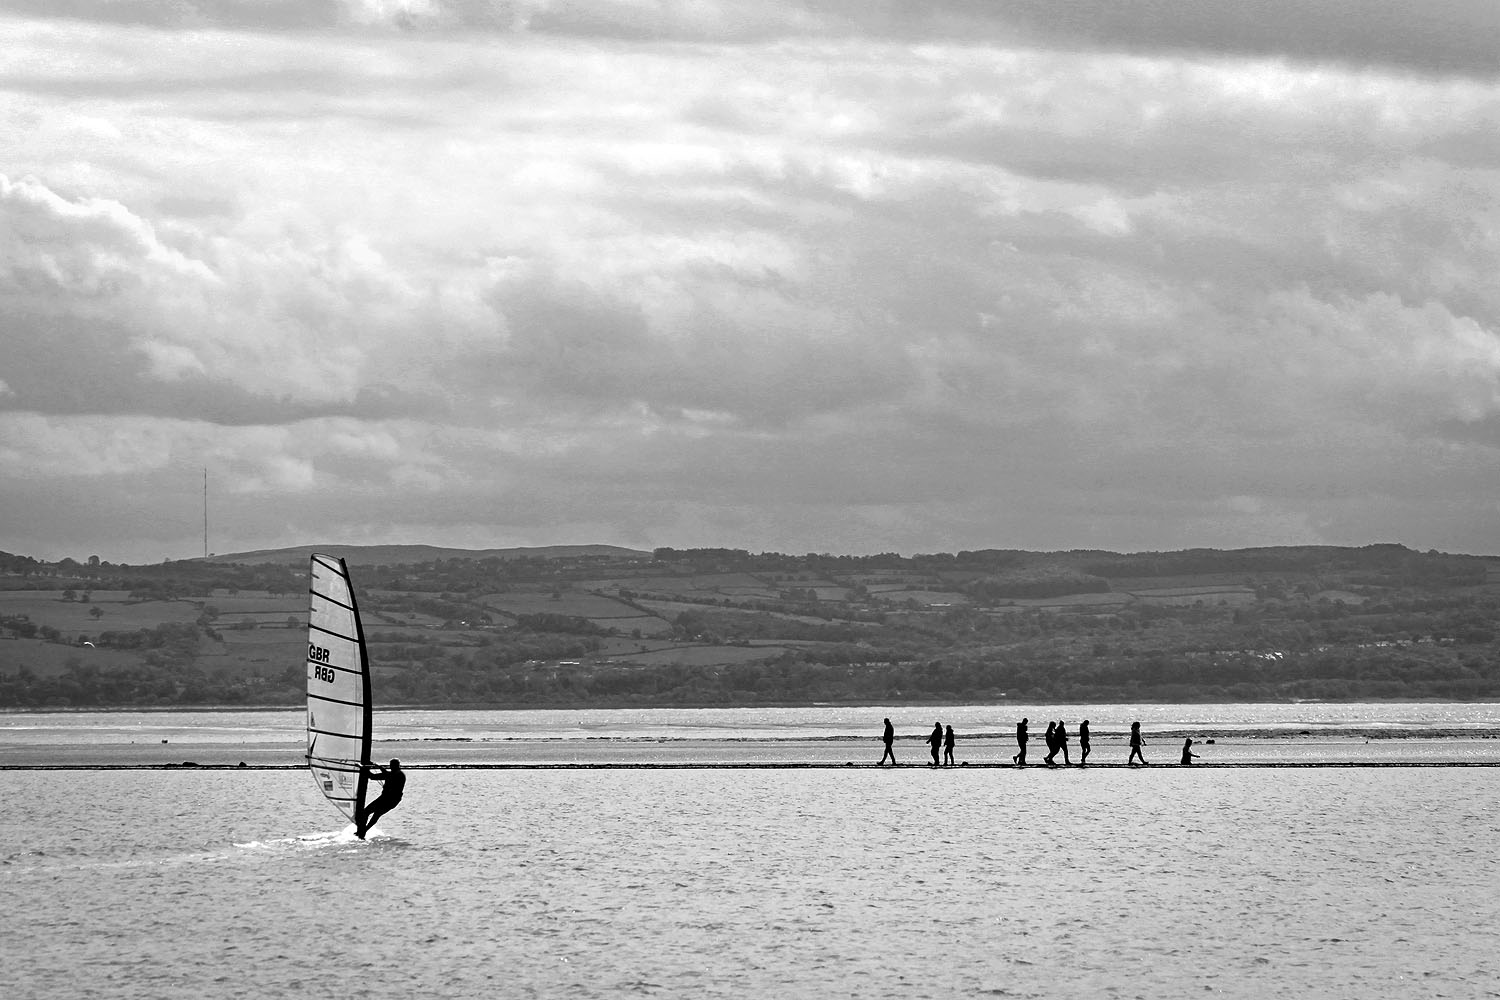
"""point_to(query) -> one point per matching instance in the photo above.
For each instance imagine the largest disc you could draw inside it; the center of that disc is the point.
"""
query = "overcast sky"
(831, 275)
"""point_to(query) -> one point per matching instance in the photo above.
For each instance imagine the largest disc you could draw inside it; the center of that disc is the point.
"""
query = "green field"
(1068, 602)
(671, 609)
(50, 659)
(927, 598)
(646, 625)
(263, 609)
(73, 618)
(566, 602)
(377, 618)
(1189, 596)
(263, 653)
(699, 656)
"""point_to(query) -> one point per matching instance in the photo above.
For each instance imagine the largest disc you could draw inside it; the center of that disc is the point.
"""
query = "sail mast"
(364, 677)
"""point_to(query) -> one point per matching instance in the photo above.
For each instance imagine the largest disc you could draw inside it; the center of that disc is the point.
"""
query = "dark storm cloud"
(1432, 36)
(1426, 36)
(268, 15)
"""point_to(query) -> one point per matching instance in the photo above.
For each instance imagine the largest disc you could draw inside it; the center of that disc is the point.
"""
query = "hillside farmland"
(716, 626)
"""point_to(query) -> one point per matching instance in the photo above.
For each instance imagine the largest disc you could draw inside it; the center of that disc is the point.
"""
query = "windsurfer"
(390, 796)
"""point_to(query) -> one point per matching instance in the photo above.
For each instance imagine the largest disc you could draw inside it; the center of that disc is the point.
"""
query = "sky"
(845, 276)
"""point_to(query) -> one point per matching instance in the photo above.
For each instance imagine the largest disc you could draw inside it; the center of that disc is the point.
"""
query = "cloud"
(1446, 36)
(33, 446)
(1439, 37)
(84, 249)
(830, 278)
(237, 320)
(1378, 356)
(188, 14)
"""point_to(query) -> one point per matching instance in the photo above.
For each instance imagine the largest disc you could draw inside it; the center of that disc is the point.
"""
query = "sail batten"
(331, 701)
(339, 733)
(338, 688)
(330, 666)
(336, 635)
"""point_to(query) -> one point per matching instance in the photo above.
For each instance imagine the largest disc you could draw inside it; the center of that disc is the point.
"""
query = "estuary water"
(1163, 882)
(701, 881)
(1434, 732)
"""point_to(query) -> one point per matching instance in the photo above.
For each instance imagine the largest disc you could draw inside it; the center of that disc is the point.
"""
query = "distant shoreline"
(1322, 746)
(628, 706)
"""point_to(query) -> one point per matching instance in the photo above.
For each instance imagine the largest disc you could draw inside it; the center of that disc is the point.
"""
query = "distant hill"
(597, 625)
(405, 555)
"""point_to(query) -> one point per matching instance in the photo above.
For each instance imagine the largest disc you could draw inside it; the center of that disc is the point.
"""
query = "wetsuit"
(388, 799)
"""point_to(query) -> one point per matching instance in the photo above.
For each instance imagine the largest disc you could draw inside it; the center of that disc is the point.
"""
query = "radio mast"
(205, 512)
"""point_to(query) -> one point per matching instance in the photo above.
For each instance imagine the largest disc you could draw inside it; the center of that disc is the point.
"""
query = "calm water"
(1166, 882)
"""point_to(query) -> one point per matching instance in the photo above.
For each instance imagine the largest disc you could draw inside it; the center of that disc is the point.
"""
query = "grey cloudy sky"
(834, 275)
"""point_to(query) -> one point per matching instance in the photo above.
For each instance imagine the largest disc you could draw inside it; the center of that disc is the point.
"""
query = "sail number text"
(318, 656)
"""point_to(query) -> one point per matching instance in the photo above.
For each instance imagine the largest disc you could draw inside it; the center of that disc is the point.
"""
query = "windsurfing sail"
(338, 689)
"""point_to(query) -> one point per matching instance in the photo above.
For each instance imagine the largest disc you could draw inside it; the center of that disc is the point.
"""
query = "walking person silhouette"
(1061, 733)
(1135, 744)
(1051, 739)
(1083, 743)
(936, 740)
(948, 748)
(889, 737)
(1021, 738)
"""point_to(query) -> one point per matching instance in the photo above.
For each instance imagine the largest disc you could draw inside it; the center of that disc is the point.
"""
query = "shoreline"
(635, 706)
(772, 766)
(1284, 748)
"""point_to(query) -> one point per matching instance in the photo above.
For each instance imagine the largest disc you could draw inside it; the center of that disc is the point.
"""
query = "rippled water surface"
(1167, 882)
